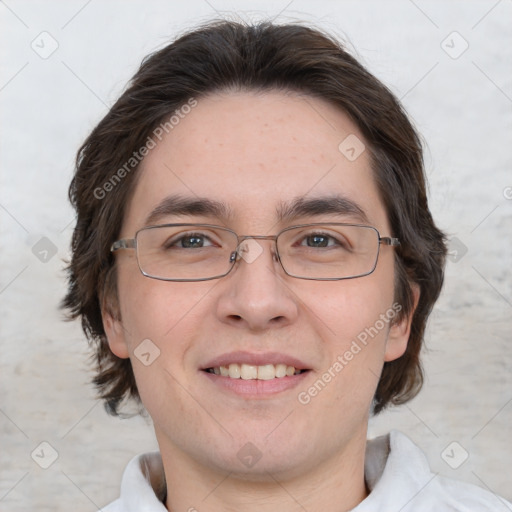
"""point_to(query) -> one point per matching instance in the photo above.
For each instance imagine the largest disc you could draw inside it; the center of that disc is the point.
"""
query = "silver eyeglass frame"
(131, 243)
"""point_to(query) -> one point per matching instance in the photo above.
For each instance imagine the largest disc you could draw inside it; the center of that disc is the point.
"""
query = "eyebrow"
(178, 205)
(334, 205)
(182, 205)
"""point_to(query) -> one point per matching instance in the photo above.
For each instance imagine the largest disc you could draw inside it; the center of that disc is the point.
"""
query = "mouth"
(255, 376)
(255, 372)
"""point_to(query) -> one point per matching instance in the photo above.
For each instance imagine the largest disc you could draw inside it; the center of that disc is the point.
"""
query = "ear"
(399, 332)
(116, 335)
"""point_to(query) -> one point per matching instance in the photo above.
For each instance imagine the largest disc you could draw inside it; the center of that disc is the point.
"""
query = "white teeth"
(280, 370)
(266, 372)
(252, 372)
(234, 371)
(248, 371)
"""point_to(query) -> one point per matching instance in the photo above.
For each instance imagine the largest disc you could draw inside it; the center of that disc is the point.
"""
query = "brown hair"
(227, 55)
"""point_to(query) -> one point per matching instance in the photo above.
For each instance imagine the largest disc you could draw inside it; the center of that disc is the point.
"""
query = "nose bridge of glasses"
(241, 238)
(249, 249)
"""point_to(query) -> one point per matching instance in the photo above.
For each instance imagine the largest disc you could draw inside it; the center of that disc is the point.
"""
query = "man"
(255, 259)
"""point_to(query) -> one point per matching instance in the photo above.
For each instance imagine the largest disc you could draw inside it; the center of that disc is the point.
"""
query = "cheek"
(161, 320)
(353, 318)
(151, 308)
(353, 322)
(347, 308)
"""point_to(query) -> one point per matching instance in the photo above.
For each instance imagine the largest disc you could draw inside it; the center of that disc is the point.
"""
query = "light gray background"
(462, 106)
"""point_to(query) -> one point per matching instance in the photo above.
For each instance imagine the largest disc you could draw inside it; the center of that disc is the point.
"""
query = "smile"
(254, 372)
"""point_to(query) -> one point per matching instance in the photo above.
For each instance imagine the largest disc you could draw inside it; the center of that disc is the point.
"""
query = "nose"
(255, 295)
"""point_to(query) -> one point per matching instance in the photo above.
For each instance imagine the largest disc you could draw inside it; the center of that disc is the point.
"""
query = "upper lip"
(255, 359)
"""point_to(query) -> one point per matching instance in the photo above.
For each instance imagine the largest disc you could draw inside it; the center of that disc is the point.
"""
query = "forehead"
(255, 153)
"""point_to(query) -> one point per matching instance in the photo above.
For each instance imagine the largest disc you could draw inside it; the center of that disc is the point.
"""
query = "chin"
(263, 458)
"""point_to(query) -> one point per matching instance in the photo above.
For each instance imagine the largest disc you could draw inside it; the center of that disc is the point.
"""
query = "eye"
(189, 241)
(319, 240)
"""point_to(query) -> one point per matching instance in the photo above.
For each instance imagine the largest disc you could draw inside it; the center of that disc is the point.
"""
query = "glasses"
(200, 252)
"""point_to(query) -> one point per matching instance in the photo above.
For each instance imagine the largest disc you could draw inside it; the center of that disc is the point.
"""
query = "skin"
(253, 151)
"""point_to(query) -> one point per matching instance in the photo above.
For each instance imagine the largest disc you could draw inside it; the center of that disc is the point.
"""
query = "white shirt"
(396, 473)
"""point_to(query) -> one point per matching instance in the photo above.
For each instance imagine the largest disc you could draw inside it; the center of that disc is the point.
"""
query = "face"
(256, 154)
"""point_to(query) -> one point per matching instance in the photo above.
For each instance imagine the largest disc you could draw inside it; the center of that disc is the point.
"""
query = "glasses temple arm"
(386, 240)
(125, 243)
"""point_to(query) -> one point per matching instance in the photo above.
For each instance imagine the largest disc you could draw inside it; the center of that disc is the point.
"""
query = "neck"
(336, 484)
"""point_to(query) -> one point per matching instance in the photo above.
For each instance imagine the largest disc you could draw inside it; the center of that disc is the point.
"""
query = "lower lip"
(256, 388)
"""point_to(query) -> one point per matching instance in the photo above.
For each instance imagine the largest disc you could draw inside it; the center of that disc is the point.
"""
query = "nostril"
(278, 319)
